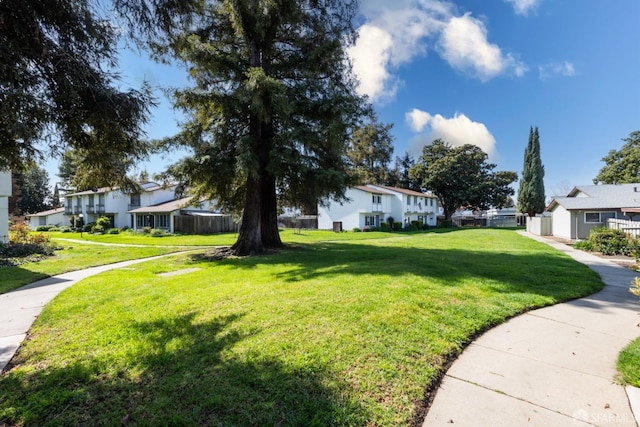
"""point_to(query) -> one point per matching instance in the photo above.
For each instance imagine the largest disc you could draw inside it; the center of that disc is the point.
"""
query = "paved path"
(549, 367)
(19, 308)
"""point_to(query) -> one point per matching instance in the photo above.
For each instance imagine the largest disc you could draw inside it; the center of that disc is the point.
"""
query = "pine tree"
(56, 84)
(273, 104)
(531, 198)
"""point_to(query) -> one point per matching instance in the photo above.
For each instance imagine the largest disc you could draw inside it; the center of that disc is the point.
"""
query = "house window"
(142, 221)
(598, 217)
(163, 221)
(372, 221)
(408, 200)
(376, 198)
(135, 200)
(415, 200)
(431, 202)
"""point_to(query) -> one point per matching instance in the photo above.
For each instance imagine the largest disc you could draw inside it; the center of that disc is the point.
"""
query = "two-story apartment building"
(5, 193)
(114, 203)
(370, 205)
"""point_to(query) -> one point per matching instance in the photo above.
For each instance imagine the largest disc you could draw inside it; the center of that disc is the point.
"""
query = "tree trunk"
(250, 236)
(269, 213)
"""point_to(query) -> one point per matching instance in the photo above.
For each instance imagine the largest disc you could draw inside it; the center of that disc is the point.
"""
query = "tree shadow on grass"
(545, 273)
(179, 374)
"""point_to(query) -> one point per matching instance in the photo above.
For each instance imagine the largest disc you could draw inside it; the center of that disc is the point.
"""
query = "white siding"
(352, 213)
(562, 223)
(5, 192)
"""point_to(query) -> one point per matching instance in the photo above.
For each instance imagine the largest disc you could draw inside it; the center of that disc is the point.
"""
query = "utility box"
(337, 226)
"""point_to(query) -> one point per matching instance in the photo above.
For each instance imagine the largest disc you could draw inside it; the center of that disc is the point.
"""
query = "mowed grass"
(222, 239)
(71, 257)
(629, 364)
(344, 333)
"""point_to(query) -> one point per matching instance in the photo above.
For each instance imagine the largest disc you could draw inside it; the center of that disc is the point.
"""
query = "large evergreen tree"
(272, 105)
(461, 177)
(56, 89)
(370, 152)
(400, 176)
(622, 166)
(34, 194)
(531, 198)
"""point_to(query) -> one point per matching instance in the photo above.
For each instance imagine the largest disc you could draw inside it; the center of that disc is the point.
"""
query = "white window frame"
(600, 219)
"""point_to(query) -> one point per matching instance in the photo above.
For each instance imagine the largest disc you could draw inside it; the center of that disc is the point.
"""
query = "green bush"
(112, 231)
(584, 245)
(397, 225)
(356, 230)
(88, 228)
(417, 225)
(445, 223)
(54, 228)
(103, 222)
(156, 232)
(385, 226)
(65, 229)
(609, 241)
(366, 228)
(44, 227)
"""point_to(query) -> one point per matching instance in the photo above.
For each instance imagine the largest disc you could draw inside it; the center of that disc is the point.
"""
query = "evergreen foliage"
(272, 106)
(370, 152)
(55, 86)
(34, 194)
(531, 197)
(622, 166)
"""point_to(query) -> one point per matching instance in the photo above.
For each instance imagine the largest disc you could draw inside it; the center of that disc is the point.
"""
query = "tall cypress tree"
(531, 198)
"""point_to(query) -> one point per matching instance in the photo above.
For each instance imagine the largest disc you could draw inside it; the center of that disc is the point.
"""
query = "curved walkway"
(20, 307)
(555, 366)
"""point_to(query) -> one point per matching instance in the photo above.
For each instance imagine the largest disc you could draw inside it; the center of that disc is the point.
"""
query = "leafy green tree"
(622, 166)
(78, 170)
(400, 175)
(461, 177)
(56, 84)
(272, 106)
(34, 194)
(55, 200)
(370, 152)
(531, 198)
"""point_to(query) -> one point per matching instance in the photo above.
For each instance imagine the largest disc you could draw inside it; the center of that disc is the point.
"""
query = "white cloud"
(418, 119)
(457, 130)
(563, 69)
(370, 58)
(523, 7)
(396, 32)
(464, 45)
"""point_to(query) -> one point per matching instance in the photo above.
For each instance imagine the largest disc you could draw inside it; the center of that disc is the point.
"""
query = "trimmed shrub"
(417, 225)
(112, 231)
(397, 225)
(583, 245)
(385, 226)
(356, 230)
(156, 232)
(609, 241)
(88, 228)
(446, 223)
(44, 227)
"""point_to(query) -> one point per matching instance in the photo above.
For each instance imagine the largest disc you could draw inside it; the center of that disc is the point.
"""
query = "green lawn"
(328, 334)
(223, 239)
(72, 256)
(629, 364)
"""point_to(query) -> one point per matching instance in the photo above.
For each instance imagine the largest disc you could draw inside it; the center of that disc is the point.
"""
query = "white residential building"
(5, 193)
(50, 217)
(114, 203)
(370, 205)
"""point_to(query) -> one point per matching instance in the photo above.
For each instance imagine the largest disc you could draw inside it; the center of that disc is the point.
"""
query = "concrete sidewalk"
(19, 308)
(555, 366)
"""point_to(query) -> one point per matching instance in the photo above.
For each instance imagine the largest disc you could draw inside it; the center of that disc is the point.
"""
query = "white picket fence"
(630, 227)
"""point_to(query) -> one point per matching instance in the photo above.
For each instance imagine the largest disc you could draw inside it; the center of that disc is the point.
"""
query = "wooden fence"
(301, 221)
(194, 224)
(630, 227)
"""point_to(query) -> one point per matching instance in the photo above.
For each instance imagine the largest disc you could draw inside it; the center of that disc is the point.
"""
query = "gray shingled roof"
(165, 207)
(612, 196)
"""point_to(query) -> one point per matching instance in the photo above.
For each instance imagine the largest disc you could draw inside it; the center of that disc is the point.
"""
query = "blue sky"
(483, 72)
